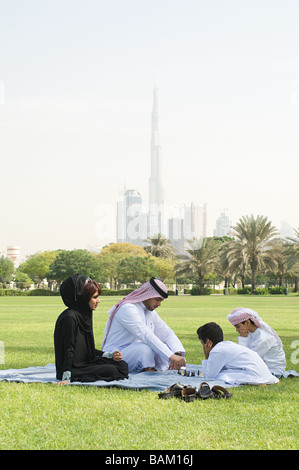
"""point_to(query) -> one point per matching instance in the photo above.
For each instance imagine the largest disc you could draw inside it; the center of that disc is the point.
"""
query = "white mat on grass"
(154, 381)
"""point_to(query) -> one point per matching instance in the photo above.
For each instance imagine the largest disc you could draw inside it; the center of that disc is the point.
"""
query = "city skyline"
(136, 225)
(156, 191)
(75, 123)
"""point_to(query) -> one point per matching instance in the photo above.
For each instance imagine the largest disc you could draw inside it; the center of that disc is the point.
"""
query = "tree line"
(253, 254)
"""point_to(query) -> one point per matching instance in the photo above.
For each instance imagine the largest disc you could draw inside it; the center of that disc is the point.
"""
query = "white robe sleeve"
(243, 341)
(215, 362)
(261, 342)
(130, 319)
(166, 335)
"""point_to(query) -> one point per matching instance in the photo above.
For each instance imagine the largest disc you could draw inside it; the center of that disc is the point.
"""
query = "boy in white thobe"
(144, 339)
(231, 362)
(257, 335)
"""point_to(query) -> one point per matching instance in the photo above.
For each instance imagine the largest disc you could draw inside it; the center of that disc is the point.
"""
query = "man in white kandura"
(144, 339)
(257, 335)
(231, 362)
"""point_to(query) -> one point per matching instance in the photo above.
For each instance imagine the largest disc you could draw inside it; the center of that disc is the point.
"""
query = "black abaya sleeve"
(99, 353)
(64, 342)
(69, 337)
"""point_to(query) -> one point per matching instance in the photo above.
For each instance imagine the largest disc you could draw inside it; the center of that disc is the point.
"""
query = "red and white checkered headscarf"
(151, 289)
(240, 314)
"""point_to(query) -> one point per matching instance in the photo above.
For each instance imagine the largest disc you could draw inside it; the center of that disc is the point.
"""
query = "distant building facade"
(195, 221)
(14, 254)
(156, 192)
(223, 226)
(131, 221)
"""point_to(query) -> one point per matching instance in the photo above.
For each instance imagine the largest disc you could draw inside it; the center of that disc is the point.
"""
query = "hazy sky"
(76, 90)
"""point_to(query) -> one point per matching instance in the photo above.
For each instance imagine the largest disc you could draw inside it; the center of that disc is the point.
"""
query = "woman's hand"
(117, 356)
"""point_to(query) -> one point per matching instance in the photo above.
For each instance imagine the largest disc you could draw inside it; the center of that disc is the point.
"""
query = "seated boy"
(257, 335)
(231, 362)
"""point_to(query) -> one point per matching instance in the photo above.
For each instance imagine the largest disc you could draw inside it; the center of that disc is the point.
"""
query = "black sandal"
(221, 392)
(188, 393)
(174, 391)
(204, 391)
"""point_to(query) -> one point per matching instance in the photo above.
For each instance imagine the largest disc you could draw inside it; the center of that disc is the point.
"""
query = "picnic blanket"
(154, 381)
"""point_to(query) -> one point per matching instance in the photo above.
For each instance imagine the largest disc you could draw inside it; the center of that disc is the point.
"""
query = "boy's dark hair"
(210, 331)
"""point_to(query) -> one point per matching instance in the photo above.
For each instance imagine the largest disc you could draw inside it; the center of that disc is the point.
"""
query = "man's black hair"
(210, 331)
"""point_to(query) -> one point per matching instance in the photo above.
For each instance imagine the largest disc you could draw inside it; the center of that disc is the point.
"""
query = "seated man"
(143, 338)
(260, 337)
(231, 362)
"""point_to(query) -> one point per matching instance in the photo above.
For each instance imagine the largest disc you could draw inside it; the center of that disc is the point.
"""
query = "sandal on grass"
(174, 391)
(188, 393)
(221, 392)
(204, 391)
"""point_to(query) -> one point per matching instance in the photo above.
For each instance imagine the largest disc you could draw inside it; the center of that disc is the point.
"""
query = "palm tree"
(233, 260)
(160, 247)
(292, 248)
(256, 245)
(295, 242)
(201, 260)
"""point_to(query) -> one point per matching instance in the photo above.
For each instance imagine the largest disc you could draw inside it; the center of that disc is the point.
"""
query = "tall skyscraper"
(223, 226)
(131, 221)
(176, 233)
(156, 196)
(195, 221)
(14, 253)
(180, 223)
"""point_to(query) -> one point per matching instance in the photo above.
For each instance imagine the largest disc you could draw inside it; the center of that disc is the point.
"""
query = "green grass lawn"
(46, 416)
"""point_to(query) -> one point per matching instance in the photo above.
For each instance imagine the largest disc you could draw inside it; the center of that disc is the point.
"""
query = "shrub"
(171, 292)
(232, 291)
(245, 290)
(196, 291)
(41, 293)
(277, 290)
(33, 292)
(10, 292)
(262, 291)
(122, 292)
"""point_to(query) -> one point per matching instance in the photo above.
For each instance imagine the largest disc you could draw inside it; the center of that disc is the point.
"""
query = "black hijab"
(72, 293)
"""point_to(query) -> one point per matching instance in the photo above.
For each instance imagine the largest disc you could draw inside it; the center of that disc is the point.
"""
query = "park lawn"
(46, 416)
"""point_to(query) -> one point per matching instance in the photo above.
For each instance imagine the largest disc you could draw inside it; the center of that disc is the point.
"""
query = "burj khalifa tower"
(156, 196)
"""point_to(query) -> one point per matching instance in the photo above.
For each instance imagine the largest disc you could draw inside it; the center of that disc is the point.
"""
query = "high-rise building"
(195, 221)
(286, 230)
(121, 230)
(223, 226)
(181, 223)
(14, 253)
(131, 221)
(156, 196)
(176, 233)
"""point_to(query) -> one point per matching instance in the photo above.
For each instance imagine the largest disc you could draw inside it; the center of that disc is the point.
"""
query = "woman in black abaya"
(76, 357)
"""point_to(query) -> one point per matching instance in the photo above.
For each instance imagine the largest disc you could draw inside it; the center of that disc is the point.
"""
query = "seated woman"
(76, 358)
(257, 335)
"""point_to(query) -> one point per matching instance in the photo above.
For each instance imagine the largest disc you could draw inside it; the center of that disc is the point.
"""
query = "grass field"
(45, 416)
